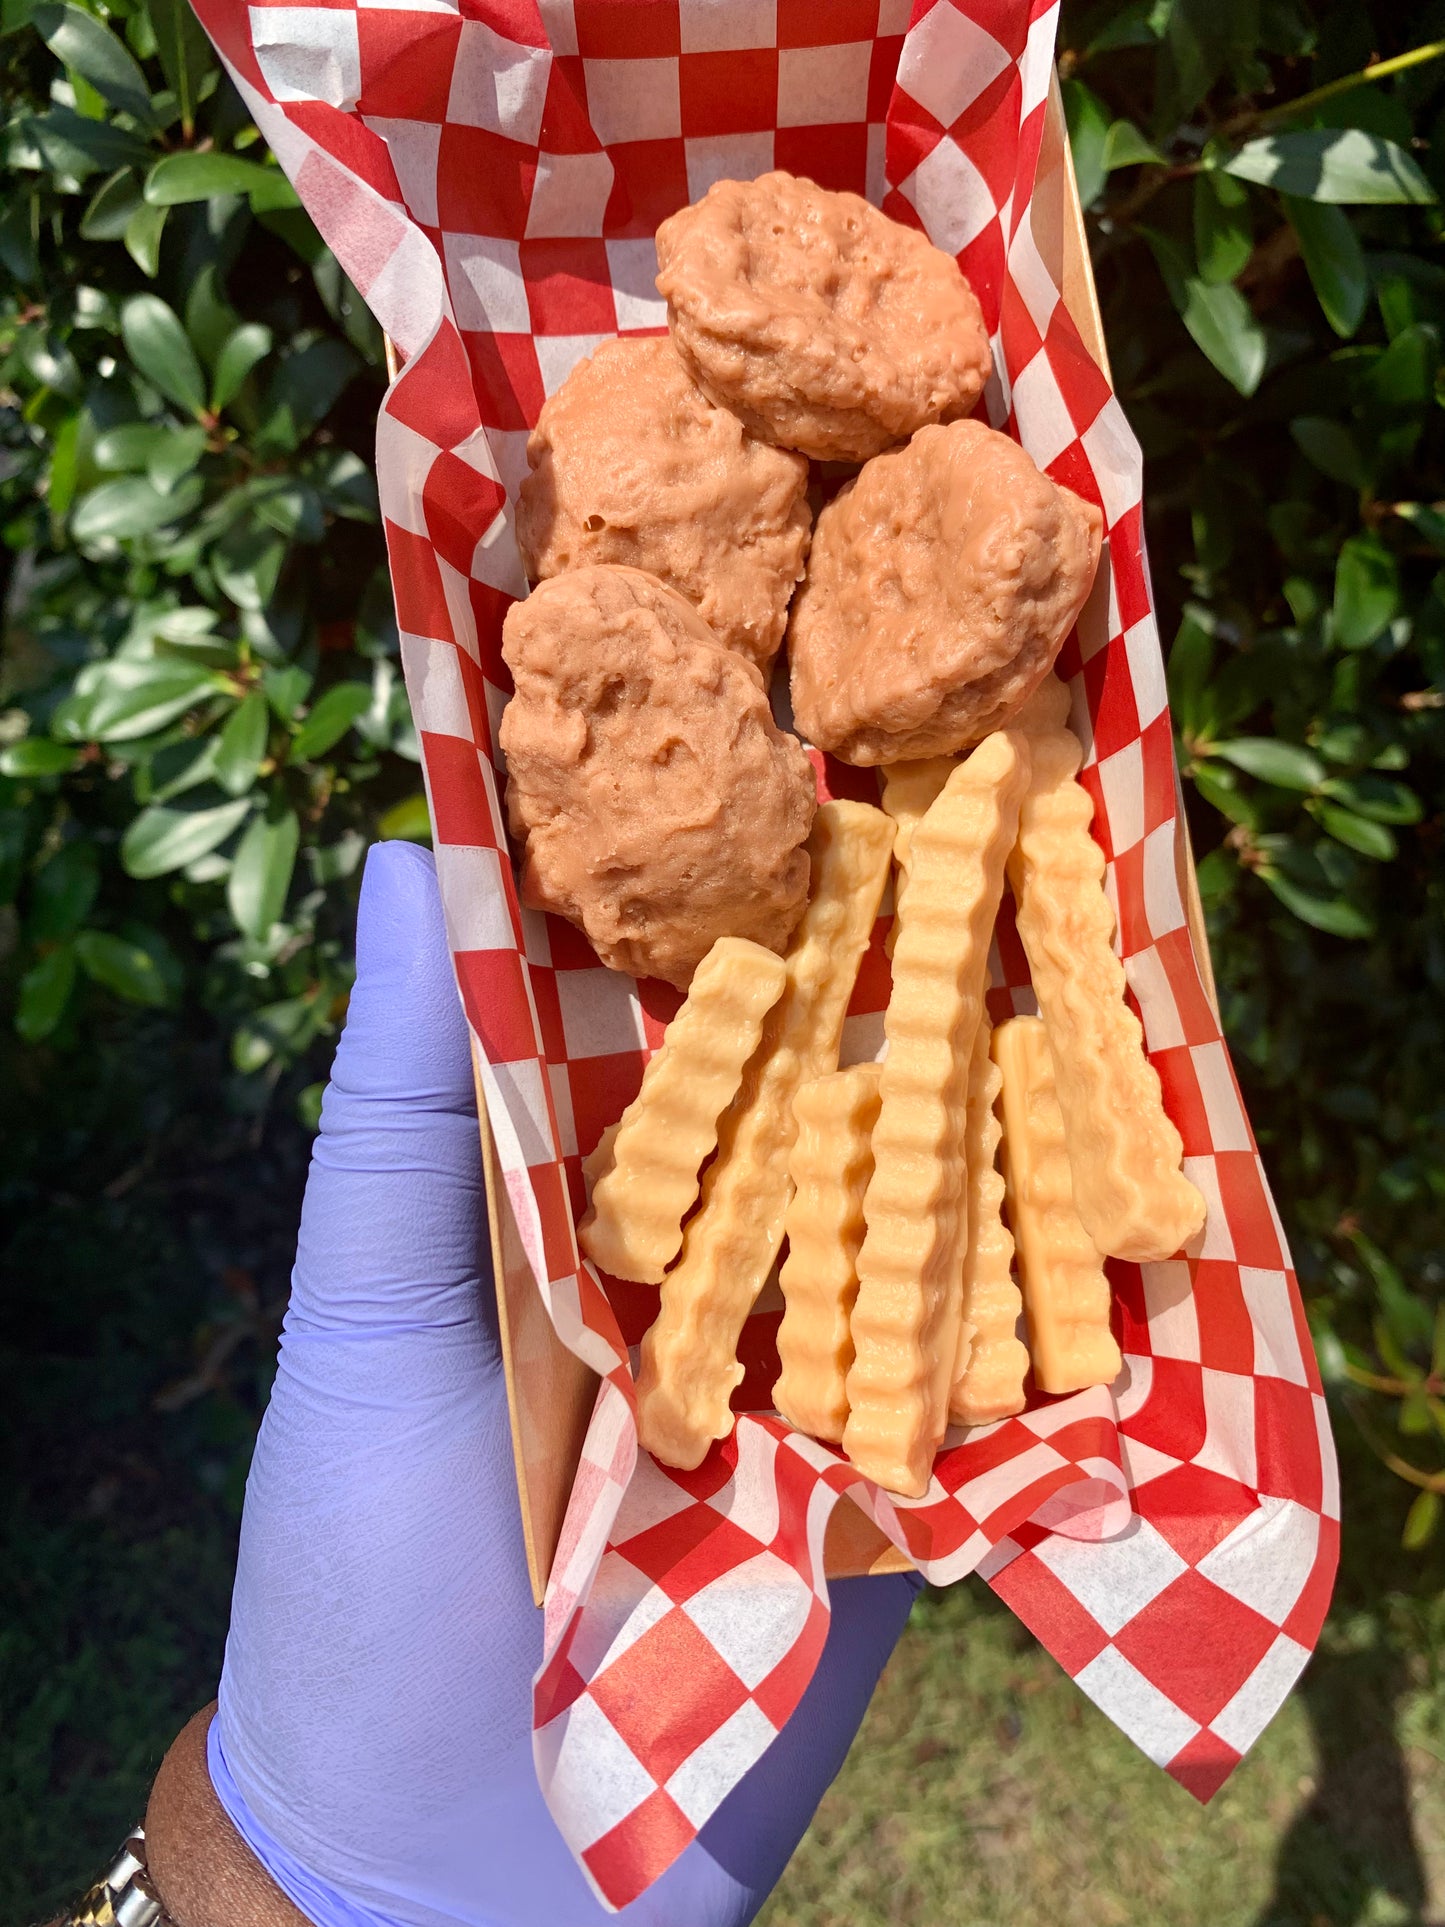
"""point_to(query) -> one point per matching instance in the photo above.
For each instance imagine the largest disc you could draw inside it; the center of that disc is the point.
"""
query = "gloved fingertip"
(406, 1036)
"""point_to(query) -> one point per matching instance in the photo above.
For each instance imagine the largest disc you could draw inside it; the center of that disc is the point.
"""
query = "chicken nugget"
(823, 325)
(659, 805)
(940, 588)
(631, 463)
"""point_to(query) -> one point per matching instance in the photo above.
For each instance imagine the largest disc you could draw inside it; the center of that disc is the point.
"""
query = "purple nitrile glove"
(373, 1744)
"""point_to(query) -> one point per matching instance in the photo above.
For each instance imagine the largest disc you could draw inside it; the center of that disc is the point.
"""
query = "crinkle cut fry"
(1124, 1150)
(830, 1165)
(1066, 1294)
(907, 1314)
(909, 792)
(689, 1366)
(633, 1226)
(991, 1363)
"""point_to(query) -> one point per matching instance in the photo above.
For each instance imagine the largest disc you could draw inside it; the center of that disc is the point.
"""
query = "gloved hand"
(373, 1743)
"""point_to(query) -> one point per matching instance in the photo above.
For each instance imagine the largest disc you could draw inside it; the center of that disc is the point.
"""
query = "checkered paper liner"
(491, 177)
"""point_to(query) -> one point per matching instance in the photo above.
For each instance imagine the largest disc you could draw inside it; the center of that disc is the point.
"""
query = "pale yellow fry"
(830, 1165)
(689, 1365)
(991, 1364)
(1125, 1152)
(598, 1161)
(1047, 709)
(909, 791)
(910, 1268)
(633, 1226)
(1066, 1295)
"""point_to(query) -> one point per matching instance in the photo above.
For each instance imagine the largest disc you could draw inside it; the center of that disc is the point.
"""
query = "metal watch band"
(123, 1896)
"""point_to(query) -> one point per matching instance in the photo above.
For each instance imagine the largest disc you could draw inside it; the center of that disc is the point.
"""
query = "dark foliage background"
(202, 726)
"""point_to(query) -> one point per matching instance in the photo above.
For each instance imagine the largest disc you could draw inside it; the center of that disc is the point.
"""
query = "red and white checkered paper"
(491, 175)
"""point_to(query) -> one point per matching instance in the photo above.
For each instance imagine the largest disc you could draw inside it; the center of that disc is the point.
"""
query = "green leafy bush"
(1262, 189)
(204, 719)
(203, 723)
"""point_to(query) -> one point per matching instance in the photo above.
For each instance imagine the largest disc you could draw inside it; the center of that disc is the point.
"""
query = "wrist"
(201, 1869)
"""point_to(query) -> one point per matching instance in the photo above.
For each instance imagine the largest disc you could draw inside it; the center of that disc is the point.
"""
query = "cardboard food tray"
(550, 1390)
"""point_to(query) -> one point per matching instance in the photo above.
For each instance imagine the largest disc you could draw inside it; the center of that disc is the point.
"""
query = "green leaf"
(242, 744)
(1088, 123)
(122, 967)
(1217, 317)
(177, 456)
(247, 562)
(244, 347)
(286, 686)
(1421, 1521)
(128, 508)
(1289, 766)
(111, 207)
(330, 718)
(1403, 379)
(1333, 915)
(157, 344)
(162, 839)
(408, 821)
(1381, 798)
(1427, 519)
(85, 44)
(1373, 840)
(44, 992)
(1367, 591)
(63, 891)
(210, 318)
(37, 756)
(303, 389)
(261, 870)
(1125, 146)
(1334, 261)
(1332, 449)
(1223, 226)
(143, 238)
(70, 146)
(1191, 662)
(1341, 164)
(197, 177)
(135, 699)
(130, 446)
(184, 53)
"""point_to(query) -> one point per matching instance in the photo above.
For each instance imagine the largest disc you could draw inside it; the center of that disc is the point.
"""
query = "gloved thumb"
(393, 1231)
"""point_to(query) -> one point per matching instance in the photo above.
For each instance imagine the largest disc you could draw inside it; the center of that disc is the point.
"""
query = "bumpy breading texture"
(821, 323)
(631, 463)
(1123, 1146)
(647, 1184)
(661, 806)
(1065, 1288)
(941, 585)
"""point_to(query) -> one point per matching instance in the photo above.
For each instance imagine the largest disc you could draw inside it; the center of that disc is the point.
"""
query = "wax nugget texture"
(1123, 1147)
(910, 1268)
(659, 805)
(633, 1226)
(630, 462)
(940, 587)
(991, 1362)
(689, 1367)
(1066, 1294)
(821, 323)
(830, 1165)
